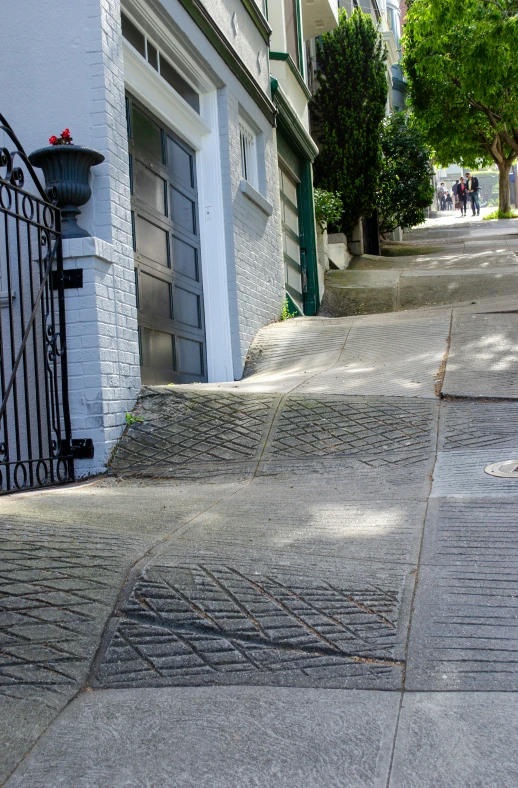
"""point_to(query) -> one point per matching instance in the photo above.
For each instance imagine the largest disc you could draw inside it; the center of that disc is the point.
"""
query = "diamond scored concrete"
(237, 620)
(182, 428)
(376, 433)
(56, 591)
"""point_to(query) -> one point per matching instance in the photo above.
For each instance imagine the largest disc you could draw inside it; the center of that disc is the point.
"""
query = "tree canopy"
(405, 187)
(349, 107)
(461, 62)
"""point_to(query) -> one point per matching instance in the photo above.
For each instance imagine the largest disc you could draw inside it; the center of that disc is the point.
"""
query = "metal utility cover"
(507, 469)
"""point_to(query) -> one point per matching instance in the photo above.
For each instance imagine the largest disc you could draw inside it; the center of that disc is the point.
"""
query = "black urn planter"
(67, 169)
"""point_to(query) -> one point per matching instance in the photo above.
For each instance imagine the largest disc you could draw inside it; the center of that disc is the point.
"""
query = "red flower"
(65, 134)
(53, 139)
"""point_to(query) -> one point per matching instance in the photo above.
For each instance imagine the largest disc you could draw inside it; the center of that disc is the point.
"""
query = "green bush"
(328, 208)
(405, 187)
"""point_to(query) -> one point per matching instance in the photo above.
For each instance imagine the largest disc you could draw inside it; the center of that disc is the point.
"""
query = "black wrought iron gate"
(35, 435)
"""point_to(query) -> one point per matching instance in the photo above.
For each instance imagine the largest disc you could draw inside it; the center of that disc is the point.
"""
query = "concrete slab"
(264, 516)
(460, 740)
(441, 261)
(461, 473)
(396, 357)
(359, 292)
(146, 510)
(22, 721)
(217, 738)
(181, 431)
(373, 430)
(478, 425)
(57, 588)
(430, 288)
(464, 633)
(483, 356)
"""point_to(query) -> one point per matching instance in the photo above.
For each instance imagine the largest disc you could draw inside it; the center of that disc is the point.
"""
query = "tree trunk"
(504, 187)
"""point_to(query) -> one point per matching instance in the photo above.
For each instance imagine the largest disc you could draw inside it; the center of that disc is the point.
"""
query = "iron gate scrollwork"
(36, 445)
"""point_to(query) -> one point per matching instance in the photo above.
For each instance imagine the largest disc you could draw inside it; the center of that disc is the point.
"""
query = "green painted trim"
(308, 239)
(258, 19)
(200, 15)
(294, 70)
(291, 126)
(293, 305)
(290, 291)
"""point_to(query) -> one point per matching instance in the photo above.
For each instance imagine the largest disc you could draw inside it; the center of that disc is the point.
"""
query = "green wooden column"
(304, 149)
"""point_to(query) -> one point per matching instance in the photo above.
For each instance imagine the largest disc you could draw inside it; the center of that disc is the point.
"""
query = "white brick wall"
(104, 372)
(254, 252)
(85, 91)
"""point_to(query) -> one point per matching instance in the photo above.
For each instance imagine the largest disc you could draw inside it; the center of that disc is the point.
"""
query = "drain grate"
(507, 469)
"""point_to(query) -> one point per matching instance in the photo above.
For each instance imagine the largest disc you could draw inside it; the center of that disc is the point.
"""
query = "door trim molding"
(201, 132)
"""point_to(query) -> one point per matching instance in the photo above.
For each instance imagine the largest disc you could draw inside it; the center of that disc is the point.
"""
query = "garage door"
(167, 252)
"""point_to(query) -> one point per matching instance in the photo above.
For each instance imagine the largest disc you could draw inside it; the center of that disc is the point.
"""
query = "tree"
(405, 187)
(349, 107)
(461, 62)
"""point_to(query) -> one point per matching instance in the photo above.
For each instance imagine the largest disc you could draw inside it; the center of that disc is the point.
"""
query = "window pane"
(292, 32)
(157, 349)
(291, 248)
(289, 188)
(189, 356)
(179, 162)
(186, 307)
(152, 56)
(146, 134)
(182, 211)
(154, 295)
(185, 259)
(293, 279)
(151, 241)
(290, 218)
(133, 35)
(148, 187)
(171, 75)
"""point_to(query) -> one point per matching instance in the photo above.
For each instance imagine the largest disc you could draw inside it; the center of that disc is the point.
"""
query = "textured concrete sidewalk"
(301, 579)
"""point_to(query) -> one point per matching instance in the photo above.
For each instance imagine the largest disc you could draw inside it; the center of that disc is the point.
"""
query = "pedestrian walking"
(441, 196)
(462, 196)
(472, 188)
(449, 202)
(455, 198)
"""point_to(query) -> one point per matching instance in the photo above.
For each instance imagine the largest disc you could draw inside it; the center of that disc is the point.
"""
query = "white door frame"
(201, 132)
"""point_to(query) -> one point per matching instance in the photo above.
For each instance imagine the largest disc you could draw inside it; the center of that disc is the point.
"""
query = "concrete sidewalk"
(301, 579)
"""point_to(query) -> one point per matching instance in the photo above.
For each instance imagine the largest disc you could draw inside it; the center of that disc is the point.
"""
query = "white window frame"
(248, 151)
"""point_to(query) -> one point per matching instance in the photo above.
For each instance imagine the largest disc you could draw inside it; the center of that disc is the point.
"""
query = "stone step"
(363, 289)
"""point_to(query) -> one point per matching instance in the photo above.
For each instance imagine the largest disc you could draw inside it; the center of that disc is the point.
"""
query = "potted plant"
(66, 168)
